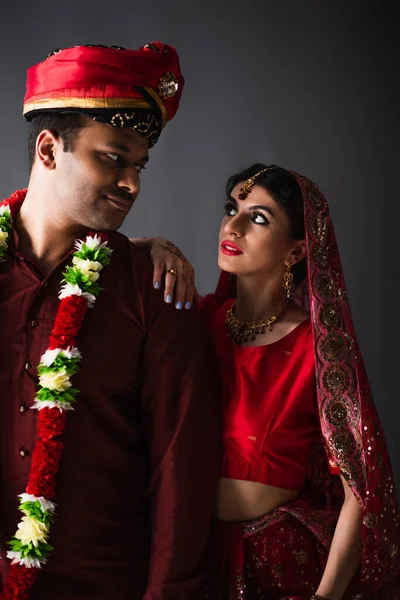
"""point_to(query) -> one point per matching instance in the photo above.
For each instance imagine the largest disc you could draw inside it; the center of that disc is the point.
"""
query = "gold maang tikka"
(249, 183)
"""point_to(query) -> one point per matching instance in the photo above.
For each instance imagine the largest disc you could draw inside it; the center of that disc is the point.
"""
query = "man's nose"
(129, 181)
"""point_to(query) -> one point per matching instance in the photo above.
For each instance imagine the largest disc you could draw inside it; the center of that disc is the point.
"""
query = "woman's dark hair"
(285, 190)
(64, 125)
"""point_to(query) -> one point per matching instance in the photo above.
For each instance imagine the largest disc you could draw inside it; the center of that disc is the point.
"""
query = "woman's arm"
(346, 549)
(179, 273)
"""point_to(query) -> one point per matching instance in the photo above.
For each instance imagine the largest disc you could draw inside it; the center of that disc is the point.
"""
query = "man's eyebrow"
(117, 146)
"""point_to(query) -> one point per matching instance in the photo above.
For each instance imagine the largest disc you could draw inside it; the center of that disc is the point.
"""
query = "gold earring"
(288, 282)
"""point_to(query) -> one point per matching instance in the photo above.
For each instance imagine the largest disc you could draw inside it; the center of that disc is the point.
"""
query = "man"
(133, 468)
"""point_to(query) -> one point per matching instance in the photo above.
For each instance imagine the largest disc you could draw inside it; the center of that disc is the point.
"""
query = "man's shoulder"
(130, 269)
(124, 249)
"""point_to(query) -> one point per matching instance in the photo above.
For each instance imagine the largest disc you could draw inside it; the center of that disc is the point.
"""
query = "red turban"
(127, 88)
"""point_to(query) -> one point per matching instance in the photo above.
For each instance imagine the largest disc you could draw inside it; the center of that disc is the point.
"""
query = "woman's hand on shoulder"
(169, 261)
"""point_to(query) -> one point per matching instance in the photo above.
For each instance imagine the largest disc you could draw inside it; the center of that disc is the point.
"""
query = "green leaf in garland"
(71, 365)
(33, 509)
(74, 276)
(41, 551)
(67, 397)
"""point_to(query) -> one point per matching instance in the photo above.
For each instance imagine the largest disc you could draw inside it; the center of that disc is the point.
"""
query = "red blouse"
(269, 403)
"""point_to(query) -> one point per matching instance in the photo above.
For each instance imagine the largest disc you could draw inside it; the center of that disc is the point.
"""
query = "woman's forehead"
(258, 196)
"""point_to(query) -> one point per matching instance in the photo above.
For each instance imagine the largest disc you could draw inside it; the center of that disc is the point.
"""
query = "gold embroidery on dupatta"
(329, 317)
(370, 520)
(338, 411)
(337, 378)
(320, 257)
(325, 286)
(334, 347)
(352, 436)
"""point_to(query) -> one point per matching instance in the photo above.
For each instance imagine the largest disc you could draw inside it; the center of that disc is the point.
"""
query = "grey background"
(309, 85)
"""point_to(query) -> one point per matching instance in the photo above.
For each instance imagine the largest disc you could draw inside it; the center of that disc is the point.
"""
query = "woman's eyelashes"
(257, 217)
(230, 209)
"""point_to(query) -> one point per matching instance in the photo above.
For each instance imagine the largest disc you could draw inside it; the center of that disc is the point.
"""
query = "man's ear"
(48, 145)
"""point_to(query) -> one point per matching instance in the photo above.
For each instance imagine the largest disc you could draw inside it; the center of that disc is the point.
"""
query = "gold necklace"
(241, 332)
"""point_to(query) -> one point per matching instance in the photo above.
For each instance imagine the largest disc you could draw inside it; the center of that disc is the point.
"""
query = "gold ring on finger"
(173, 272)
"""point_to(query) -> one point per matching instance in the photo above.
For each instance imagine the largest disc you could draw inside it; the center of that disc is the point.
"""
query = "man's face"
(96, 184)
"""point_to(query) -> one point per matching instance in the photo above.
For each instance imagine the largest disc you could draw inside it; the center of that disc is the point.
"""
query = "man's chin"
(109, 224)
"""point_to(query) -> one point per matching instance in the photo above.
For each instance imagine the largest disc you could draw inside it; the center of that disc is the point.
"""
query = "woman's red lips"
(230, 249)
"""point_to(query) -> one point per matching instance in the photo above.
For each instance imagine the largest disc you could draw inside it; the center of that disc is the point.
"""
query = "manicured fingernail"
(157, 285)
(188, 305)
(179, 305)
(168, 298)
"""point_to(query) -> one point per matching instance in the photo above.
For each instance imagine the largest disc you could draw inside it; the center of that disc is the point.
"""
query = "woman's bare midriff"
(239, 500)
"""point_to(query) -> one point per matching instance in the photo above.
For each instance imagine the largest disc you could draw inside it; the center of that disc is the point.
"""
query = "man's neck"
(41, 234)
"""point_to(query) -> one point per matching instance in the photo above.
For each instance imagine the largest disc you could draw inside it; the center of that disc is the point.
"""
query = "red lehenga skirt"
(280, 556)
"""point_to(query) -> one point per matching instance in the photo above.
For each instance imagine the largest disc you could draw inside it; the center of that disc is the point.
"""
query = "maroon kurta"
(135, 490)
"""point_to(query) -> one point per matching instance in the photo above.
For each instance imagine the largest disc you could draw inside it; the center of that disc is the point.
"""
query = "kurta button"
(27, 366)
(34, 324)
(23, 408)
(23, 452)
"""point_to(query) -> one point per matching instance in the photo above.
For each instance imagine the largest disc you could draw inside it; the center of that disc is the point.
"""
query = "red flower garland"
(44, 467)
(19, 582)
(51, 424)
(68, 321)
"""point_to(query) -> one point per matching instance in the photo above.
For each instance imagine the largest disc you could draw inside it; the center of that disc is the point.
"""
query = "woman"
(306, 503)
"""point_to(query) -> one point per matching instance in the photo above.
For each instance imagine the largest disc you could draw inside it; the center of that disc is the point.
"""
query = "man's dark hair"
(62, 125)
(283, 187)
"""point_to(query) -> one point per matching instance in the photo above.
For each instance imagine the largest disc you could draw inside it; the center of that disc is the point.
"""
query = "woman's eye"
(114, 157)
(140, 168)
(230, 210)
(259, 219)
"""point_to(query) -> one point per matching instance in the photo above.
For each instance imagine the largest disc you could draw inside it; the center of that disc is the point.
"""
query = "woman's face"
(255, 236)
